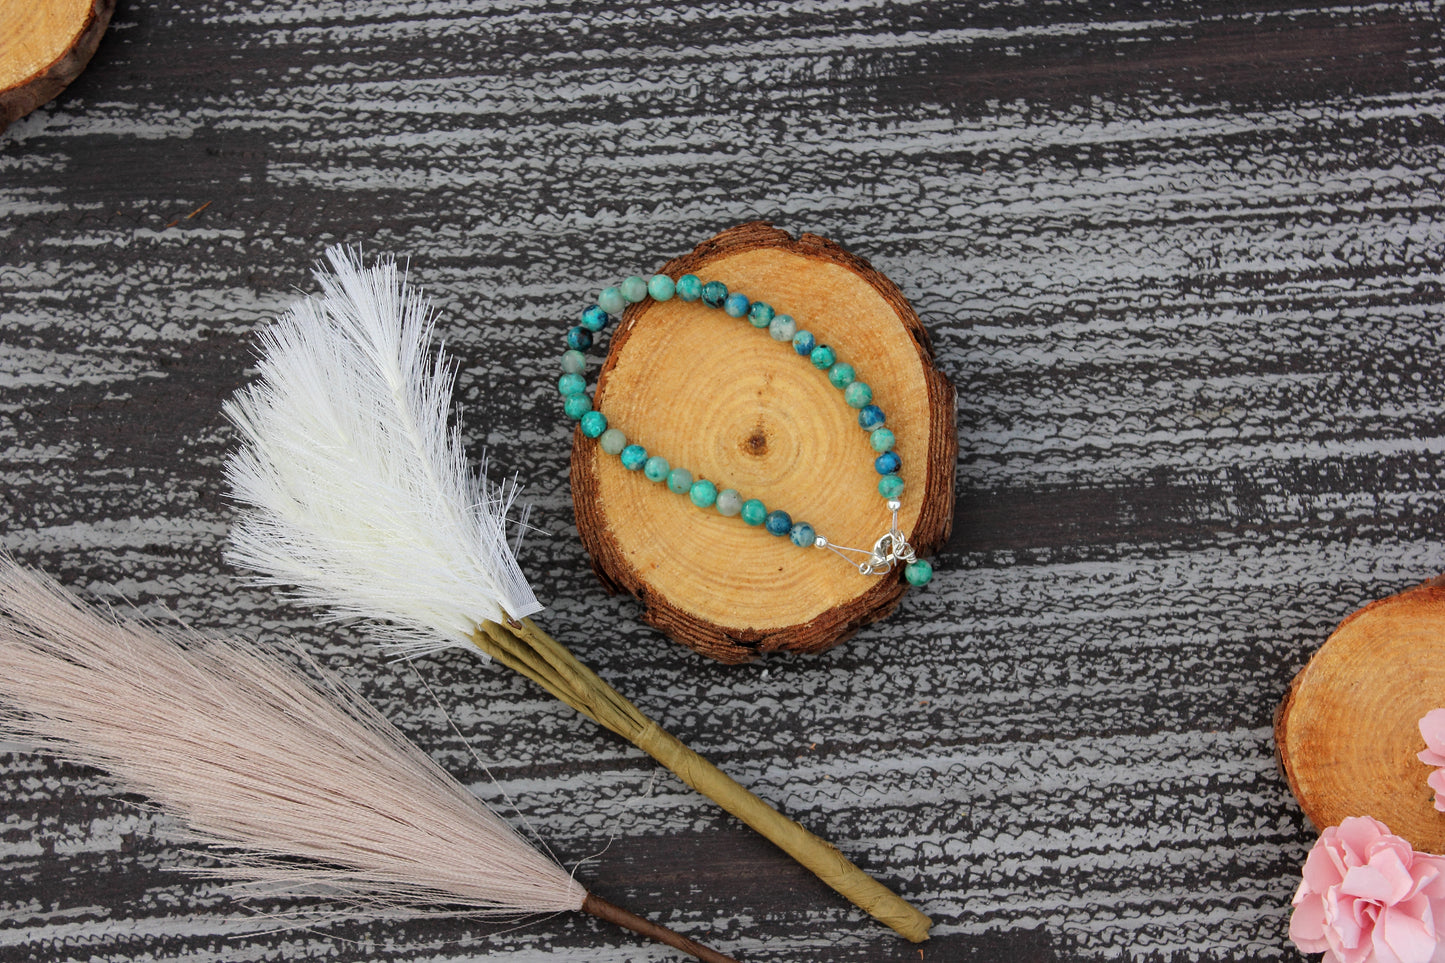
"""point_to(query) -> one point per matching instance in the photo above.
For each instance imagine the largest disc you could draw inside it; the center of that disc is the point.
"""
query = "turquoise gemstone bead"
(633, 457)
(778, 522)
(661, 287)
(802, 534)
(804, 343)
(571, 384)
(881, 439)
(754, 512)
(576, 406)
(656, 469)
(634, 289)
(594, 423)
(594, 318)
(858, 395)
(574, 361)
(703, 493)
(760, 315)
(890, 486)
(887, 463)
(611, 301)
(689, 287)
(679, 481)
(729, 502)
(714, 293)
(736, 305)
(918, 573)
(579, 338)
(612, 441)
(783, 328)
(870, 417)
(840, 375)
(823, 357)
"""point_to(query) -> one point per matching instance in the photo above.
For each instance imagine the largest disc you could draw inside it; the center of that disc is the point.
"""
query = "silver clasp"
(891, 549)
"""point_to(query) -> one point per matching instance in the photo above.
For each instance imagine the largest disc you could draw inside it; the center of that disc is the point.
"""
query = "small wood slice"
(44, 45)
(1349, 730)
(723, 399)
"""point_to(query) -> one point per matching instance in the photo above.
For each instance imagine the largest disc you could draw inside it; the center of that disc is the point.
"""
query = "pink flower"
(1432, 727)
(1367, 897)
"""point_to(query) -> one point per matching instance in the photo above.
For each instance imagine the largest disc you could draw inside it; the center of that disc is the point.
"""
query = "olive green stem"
(527, 649)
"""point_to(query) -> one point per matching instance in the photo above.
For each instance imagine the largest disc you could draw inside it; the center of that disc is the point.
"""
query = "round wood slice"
(44, 45)
(1349, 730)
(723, 399)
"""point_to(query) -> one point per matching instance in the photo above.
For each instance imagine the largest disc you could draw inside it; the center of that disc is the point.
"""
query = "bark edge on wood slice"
(726, 401)
(1347, 733)
(43, 47)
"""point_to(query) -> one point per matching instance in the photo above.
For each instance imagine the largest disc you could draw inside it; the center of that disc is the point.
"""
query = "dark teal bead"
(887, 463)
(714, 293)
(870, 417)
(594, 318)
(804, 343)
(760, 315)
(656, 468)
(802, 534)
(574, 361)
(634, 289)
(660, 287)
(918, 573)
(571, 384)
(689, 287)
(778, 522)
(703, 493)
(579, 339)
(890, 486)
(611, 301)
(858, 395)
(633, 457)
(881, 439)
(754, 512)
(594, 423)
(736, 305)
(679, 481)
(576, 406)
(823, 357)
(840, 375)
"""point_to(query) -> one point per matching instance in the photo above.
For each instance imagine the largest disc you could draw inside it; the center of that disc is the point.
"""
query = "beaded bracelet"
(890, 549)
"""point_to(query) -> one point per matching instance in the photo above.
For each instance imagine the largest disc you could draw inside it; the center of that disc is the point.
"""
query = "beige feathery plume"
(301, 787)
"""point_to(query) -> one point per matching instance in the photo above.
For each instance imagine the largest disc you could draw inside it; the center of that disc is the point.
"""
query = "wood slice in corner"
(44, 45)
(1348, 731)
(723, 399)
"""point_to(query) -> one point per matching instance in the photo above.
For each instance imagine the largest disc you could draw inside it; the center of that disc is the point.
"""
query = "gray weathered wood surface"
(1183, 262)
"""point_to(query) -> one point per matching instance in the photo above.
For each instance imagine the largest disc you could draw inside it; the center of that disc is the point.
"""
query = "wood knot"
(755, 443)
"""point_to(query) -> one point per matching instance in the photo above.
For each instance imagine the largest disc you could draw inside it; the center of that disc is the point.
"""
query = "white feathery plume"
(359, 494)
(301, 787)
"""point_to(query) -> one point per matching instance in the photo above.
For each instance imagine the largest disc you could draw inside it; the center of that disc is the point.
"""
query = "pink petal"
(1437, 783)
(1432, 727)
(1356, 834)
(1307, 925)
(1385, 880)
(1323, 867)
(1400, 938)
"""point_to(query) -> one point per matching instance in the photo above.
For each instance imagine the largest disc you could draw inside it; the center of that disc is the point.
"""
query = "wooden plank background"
(1182, 260)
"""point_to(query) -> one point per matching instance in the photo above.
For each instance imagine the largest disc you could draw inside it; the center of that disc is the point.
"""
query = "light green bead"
(703, 493)
(634, 289)
(656, 468)
(890, 486)
(754, 512)
(679, 481)
(729, 502)
(661, 287)
(783, 327)
(881, 439)
(611, 301)
(612, 441)
(858, 395)
(574, 361)
(840, 375)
